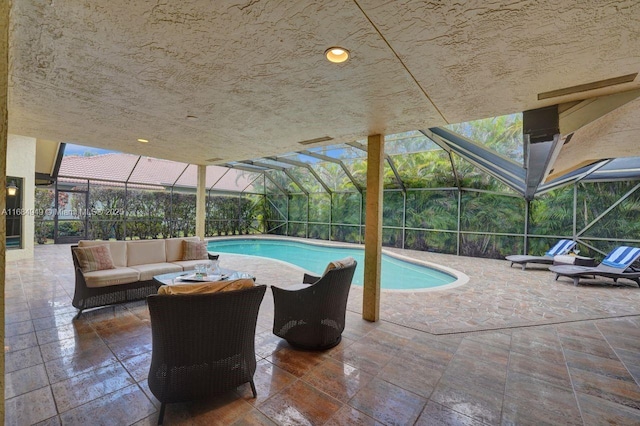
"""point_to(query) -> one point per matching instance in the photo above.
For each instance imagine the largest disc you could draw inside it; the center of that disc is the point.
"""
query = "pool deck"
(508, 347)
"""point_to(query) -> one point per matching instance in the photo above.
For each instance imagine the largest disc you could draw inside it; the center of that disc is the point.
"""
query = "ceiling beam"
(575, 115)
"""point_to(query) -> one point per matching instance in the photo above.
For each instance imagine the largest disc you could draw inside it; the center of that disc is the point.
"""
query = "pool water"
(396, 274)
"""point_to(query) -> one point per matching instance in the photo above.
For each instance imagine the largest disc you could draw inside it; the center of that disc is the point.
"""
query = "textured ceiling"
(106, 73)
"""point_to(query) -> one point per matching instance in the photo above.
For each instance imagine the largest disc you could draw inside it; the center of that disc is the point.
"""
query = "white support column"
(201, 201)
(373, 229)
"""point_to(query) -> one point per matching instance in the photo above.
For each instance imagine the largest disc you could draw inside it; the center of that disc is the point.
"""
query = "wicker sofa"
(135, 263)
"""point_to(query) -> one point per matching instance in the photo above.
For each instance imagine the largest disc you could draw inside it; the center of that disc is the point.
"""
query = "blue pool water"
(396, 274)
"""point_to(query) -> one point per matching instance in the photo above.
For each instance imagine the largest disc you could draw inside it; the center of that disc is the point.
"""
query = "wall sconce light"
(12, 189)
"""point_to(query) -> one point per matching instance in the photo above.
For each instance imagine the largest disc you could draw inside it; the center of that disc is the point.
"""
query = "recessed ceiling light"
(336, 54)
(192, 118)
(143, 140)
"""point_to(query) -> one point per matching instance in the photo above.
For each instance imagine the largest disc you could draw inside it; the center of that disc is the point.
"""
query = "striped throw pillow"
(94, 258)
(194, 250)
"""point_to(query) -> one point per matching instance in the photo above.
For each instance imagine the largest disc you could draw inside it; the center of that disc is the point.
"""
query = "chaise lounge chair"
(562, 247)
(616, 265)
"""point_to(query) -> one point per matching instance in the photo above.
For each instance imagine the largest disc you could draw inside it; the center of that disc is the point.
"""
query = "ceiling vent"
(587, 87)
(316, 140)
(213, 160)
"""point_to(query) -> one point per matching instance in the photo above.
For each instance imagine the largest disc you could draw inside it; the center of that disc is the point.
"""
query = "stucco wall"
(21, 162)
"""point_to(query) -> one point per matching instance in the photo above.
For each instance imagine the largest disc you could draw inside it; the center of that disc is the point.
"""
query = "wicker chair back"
(203, 344)
(314, 317)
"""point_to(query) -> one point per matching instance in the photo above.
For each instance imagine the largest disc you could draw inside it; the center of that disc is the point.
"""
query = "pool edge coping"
(461, 277)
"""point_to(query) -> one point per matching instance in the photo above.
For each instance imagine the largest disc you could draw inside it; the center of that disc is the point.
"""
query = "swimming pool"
(397, 274)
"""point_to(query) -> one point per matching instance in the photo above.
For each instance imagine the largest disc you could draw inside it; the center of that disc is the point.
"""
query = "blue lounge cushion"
(621, 257)
(562, 247)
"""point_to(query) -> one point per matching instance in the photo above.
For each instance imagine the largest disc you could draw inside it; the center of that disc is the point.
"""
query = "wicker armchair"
(202, 344)
(313, 316)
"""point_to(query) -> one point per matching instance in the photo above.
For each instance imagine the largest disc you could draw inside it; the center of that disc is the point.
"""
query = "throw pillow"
(94, 258)
(342, 263)
(194, 250)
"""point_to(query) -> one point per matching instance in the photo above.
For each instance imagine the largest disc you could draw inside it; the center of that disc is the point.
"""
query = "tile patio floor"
(509, 347)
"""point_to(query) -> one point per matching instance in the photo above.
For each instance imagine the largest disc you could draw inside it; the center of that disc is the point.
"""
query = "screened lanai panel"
(407, 143)
(473, 177)
(392, 208)
(308, 181)
(490, 246)
(298, 208)
(73, 184)
(487, 212)
(147, 212)
(226, 179)
(215, 173)
(603, 212)
(439, 242)
(297, 156)
(283, 174)
(432, 209)
(283, 181)
(334, 177)
(552, 214)
(392, 237)
(110, 201)
(501, 134)
(427, 169)
(618, 169)
(156, 172)
(189, 178)
(358, 169)
(341, 151)
(346, 208)
(113, 167)
(319, 207)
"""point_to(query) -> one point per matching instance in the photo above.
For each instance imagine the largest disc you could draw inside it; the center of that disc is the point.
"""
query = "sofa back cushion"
(144, 252)
(173, 248)
(118, 250)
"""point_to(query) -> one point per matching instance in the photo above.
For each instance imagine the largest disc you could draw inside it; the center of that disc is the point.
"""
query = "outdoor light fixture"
(12, 189)
(336, 54)
(143, 140)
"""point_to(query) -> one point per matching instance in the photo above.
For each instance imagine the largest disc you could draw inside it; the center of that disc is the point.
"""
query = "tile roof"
(149, 172)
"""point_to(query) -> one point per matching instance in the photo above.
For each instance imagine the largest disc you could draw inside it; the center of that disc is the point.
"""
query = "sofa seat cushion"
(109, 277)
(147, 272)
(188, 265)
(206, 288)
